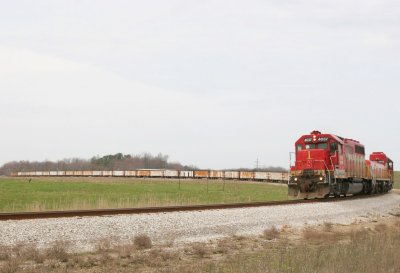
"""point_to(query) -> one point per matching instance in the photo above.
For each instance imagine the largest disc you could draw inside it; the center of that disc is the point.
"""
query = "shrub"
(200, 249)
(271, 233)
(142, 241)
(58, 251)
(328, 226)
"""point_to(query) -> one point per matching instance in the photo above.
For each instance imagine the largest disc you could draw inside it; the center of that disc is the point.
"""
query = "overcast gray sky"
(217, 84)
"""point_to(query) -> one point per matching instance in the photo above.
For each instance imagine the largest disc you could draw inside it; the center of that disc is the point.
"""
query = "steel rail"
(144, 210)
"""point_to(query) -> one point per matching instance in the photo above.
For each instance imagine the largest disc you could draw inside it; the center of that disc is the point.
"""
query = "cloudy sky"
(216, 84)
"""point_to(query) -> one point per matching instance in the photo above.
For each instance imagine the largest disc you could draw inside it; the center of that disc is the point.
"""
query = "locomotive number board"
(320, 139)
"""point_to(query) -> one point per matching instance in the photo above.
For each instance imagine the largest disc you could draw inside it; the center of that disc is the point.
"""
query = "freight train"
(329, 165)
(156, 173)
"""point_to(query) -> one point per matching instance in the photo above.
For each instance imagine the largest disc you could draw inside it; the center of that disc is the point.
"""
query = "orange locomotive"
(329, 165)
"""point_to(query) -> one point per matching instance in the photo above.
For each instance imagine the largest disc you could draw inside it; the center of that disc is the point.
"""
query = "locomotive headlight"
(321, 178)
(295, 179)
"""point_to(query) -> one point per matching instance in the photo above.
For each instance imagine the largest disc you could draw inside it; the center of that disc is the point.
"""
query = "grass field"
(397, 180)
(18, 194)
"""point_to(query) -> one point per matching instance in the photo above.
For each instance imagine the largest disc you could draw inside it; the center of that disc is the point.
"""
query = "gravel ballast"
(181, 227)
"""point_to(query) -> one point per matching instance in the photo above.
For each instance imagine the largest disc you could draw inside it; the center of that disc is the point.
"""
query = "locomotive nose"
(307, 185)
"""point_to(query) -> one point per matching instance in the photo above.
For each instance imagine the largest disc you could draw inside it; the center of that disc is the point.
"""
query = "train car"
(87, 173)
(97, 173)
(143, 173)
(130, 173)
(232, 175)
(107, 173)
(118, 173)
(260, 176)
(216, 174)
(285, 177)
(275, 176)
(171, 173)
(329, 165)
(78, 173)
(201, 174)
(186, 174)
(156, 173)
(246, 175)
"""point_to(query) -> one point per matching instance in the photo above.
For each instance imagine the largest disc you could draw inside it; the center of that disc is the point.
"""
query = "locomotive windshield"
(322, 146)
(310, 146)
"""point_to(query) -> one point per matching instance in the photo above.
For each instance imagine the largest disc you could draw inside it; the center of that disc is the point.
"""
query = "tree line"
(113, 162)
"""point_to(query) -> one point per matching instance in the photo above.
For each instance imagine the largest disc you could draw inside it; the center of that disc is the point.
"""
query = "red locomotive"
(329, 165)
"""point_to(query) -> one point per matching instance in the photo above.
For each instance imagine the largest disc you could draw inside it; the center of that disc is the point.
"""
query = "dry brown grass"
(224, 246)
(310, 234)
(29, 252)
(271, 233)
(10, 266)
(328, 226)
(4, 252)
(318, 236)
(200, 250)
(58, 251)
(357, 235)
(342, 249)
(396, 225)
(382, 227)
(125, 250)
(104, 244)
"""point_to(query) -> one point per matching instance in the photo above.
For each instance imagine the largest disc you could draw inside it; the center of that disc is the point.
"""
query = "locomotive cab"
(316, 155)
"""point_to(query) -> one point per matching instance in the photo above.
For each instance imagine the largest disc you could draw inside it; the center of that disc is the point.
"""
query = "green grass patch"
(41, 194)
(397, 180)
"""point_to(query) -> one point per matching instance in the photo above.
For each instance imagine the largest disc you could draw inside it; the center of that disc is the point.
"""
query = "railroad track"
(144, 210)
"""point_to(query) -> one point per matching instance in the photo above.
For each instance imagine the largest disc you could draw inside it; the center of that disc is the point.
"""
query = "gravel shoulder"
(184, 227)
